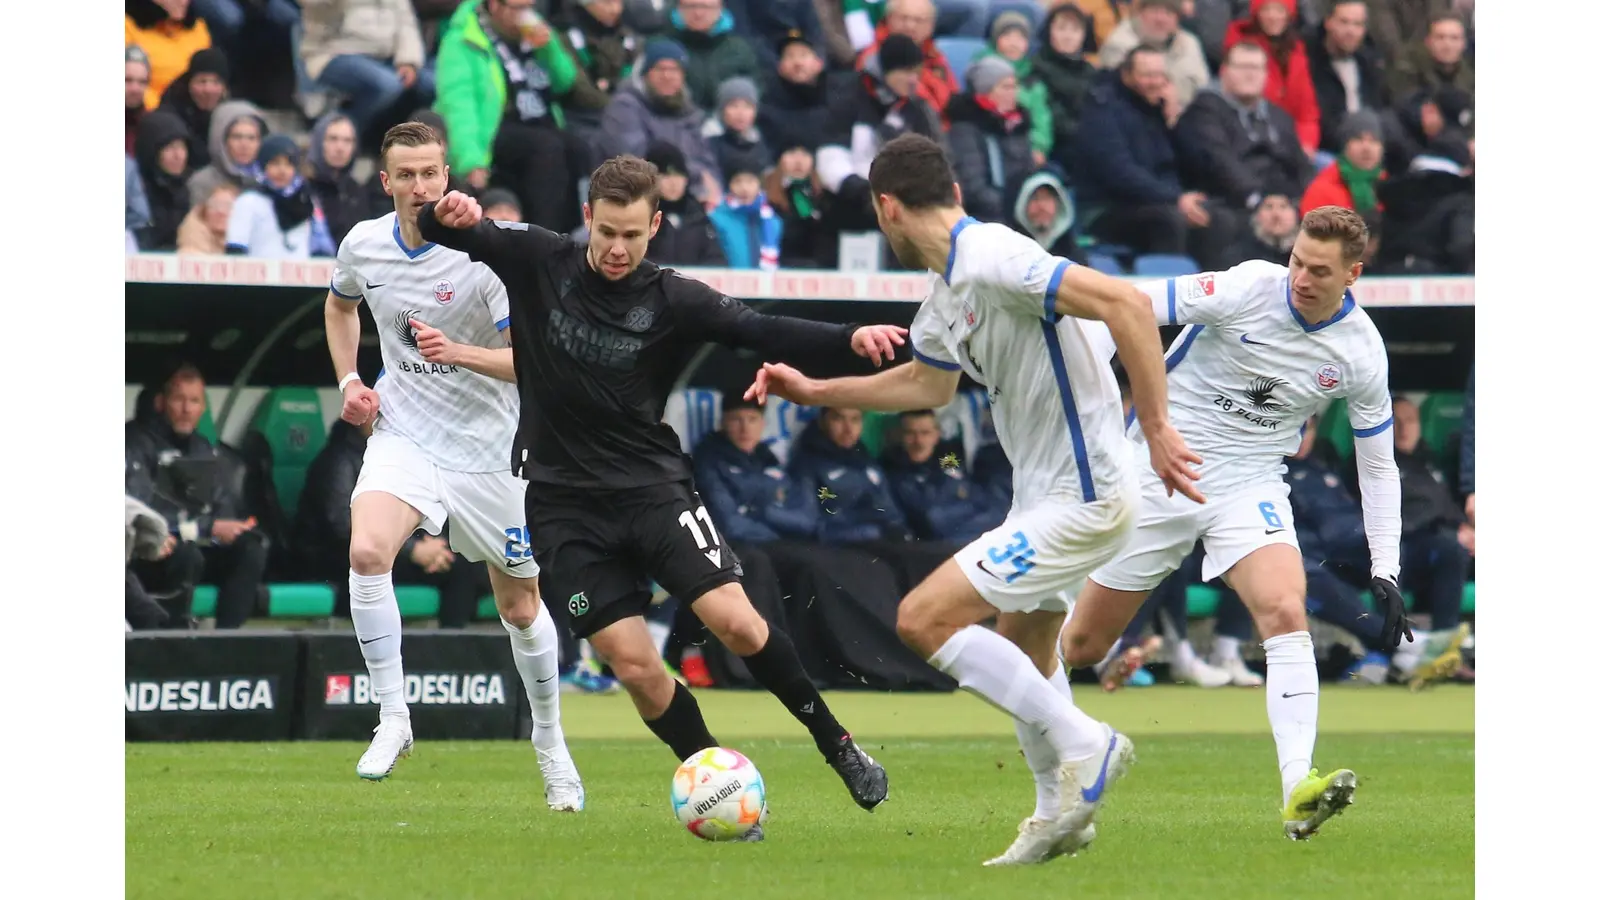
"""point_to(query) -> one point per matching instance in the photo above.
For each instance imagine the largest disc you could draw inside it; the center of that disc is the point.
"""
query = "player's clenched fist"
(434, 346)
(360, 404)
(457, 210)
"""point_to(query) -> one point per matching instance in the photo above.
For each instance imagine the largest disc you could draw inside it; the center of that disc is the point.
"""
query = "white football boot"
(1034, 844)
(391, 742)
(563, 789)
(1084, 784)
(1240, 675)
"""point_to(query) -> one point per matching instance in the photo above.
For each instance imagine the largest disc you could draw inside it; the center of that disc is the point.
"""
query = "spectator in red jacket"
(1352, 181)
(915, 20)
(1288, 71)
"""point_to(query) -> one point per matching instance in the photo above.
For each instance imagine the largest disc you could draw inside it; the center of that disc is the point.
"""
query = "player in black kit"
(599, 337)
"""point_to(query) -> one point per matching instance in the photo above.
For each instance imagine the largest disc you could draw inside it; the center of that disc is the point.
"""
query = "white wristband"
(345, 381)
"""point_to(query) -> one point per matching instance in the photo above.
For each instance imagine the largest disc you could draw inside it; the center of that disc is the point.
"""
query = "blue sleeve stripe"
(1172, 300)
(341, 294)
(503, 324)
(1379, 428)
(1069, 410)
(936, 363)
(1050, 313)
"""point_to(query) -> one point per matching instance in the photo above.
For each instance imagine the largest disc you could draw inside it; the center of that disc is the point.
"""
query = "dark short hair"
(1335, 223)
(917, 414)
(624, 180)
(1136, 52)
(914, 170)
(1448, 15)
(407, 134)
(1243, 47)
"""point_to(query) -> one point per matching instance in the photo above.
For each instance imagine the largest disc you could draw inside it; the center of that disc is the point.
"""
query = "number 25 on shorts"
(1018, 555)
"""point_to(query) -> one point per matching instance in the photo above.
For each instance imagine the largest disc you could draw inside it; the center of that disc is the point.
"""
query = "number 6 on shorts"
(1270, 513)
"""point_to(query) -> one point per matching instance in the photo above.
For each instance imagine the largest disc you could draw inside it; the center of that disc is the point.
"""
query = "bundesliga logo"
(449, 689)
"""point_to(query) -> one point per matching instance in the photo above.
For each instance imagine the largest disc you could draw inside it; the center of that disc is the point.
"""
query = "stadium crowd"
(1153, 136)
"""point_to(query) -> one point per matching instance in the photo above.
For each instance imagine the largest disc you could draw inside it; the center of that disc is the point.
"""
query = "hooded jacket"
(223, 169)
(168, 195)
(1057, 238)
(343, 200)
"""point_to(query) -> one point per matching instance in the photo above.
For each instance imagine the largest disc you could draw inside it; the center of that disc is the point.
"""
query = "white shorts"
(1038, 558)
(1233, 525)
(485, 509)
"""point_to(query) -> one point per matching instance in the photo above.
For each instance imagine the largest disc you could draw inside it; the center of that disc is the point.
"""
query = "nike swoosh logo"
(987, 571)
(1091, 794)
(1245, 339)
(543, 680)
(1301, 694)
(371, 286)
(370, 640)
(513, 565)
(1274, 530)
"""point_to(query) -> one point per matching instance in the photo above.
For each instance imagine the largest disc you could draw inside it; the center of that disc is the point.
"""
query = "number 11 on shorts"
(713, 550)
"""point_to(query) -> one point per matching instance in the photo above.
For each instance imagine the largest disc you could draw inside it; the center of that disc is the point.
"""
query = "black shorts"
(598, 550)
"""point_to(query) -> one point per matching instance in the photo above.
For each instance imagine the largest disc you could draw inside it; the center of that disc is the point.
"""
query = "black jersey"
(596, 359)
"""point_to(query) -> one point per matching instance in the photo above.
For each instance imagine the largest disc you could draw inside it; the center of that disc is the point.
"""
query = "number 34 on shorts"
(1010, 561)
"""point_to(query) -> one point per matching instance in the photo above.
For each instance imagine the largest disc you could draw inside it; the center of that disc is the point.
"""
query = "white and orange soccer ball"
(718, 795)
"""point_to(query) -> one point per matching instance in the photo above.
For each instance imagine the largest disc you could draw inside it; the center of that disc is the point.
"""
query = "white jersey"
(1057, 411)
(1248, 371)
(463, 421)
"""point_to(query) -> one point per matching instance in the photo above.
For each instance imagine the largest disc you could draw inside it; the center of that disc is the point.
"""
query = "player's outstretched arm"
(914, 385)
(1087, 294)
(707, 315)
(456, 221)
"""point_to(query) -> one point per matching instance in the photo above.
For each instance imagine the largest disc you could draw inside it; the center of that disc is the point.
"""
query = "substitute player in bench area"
(1265, 347)
(1015, 319)
(445, 411)
(601, 337)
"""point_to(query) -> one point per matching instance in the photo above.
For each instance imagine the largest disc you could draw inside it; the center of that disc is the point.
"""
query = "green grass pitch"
(1197, 817)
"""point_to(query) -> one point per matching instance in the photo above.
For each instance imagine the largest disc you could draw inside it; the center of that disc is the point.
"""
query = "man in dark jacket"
(1042, 209)
(796, 96)
(764, 24)
(989, 139)
(1129, 188)
(931, 485)
(686, 236)
(716, 51)
(857, 505)
(195, 96)
(1346, 68)
(1241, 147)
(165, 470)
(750, 496)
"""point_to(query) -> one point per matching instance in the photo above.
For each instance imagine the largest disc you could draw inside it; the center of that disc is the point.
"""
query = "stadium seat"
(300, 601)
(1202, 601)
(205, 601)
(417, 601)
(959, 52)
(486, 607)
(207, 427)
(290, 419)
(1441, 418)
(1105, 262)
(1334, 427)
(1164, 265)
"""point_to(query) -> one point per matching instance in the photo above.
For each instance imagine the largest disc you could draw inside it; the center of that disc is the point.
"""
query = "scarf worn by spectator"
(293, 203)
(771, 226)
(1363, 184)
(526, 81)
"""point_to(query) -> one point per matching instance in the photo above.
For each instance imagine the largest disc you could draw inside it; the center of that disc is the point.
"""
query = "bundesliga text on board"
(784, 284)
(441, 689)
(202, 695)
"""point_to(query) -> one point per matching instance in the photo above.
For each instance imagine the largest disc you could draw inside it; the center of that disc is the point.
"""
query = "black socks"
(682, 727)
(777, 666)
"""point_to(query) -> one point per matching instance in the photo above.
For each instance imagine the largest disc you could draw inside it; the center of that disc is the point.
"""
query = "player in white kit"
(1012, 317)
(444, 411)
(1266, 346)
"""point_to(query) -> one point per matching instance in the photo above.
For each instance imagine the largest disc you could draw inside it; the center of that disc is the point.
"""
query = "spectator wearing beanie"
(716, 52)
(1062, 64)
(654, 106)
(796, 96)
(750, 232)
(914, 19)
(883, 106)
(1008, 40)
(194, 96)
(169, 33)
(794, 190)
(989, 139)
(162, 152)
(279, 217)
(733, 135)
(501, 93)
(686, 237)
(1271, 27)
(1352, 181)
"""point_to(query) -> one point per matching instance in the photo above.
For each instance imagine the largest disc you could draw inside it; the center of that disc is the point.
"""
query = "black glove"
(1393, 606)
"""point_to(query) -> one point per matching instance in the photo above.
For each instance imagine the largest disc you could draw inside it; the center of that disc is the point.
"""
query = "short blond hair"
(1335, 223)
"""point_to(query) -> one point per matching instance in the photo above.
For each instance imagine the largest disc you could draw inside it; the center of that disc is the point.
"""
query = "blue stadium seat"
(1164, 265)
(959, 52)
(1105, 262)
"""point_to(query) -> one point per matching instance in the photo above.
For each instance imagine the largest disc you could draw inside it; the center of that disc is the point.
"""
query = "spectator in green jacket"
(1008, 39)
(716, 54)
(501, 77)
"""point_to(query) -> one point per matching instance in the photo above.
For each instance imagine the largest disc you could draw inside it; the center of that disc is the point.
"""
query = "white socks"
(534, 650)
(1042, 757)
(995, 669)
(1292, 703)
(376, 615)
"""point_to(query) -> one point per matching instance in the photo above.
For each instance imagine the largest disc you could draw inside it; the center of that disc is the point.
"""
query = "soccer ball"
(718, 795)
